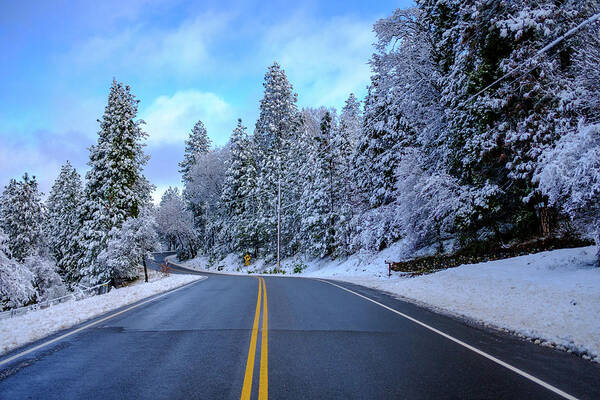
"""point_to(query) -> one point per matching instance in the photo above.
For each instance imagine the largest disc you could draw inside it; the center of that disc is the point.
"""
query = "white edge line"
(468, 346)
(39, 346)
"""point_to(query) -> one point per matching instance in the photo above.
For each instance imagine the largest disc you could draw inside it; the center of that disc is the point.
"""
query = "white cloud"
(169, 119)
(184, 49)
(325, 60)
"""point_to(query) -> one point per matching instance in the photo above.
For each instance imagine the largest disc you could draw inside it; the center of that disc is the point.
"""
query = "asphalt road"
(211, 340)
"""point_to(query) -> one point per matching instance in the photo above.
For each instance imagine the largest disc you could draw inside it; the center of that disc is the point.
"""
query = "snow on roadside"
(552, 297)
(15, 332)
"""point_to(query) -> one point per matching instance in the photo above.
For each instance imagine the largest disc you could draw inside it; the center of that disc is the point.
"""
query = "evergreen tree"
(238, 197)
(344, 144)
(64, 224)
(505, 104)
(323, 195)
(274, 131)
(197, 148)
(385, 132)
(298, 181)
(116, 188)
(198, 143)
(570, 177)
(22, 218)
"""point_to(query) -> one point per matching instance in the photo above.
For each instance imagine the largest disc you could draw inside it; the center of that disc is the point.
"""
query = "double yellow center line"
(263, 383)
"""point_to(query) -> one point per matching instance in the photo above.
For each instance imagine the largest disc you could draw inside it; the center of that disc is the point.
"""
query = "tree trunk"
(544, 216)
(145, 270)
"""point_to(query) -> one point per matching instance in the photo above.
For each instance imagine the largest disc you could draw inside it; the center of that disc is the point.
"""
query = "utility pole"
(279, 220)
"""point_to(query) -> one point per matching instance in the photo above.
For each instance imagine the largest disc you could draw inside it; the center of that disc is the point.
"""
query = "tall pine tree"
(64, 224)
(344, 145)
(321, 213)
(274, 131)
(239, 188)
(197, 147)
(198, 143)
(116, 188)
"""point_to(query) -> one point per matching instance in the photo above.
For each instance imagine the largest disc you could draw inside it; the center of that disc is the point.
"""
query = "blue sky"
(184, 61)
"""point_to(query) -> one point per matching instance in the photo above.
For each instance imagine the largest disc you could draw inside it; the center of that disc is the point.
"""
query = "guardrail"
(80, 293)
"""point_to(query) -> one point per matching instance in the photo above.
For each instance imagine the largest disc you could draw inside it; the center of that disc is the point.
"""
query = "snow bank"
(15, 332)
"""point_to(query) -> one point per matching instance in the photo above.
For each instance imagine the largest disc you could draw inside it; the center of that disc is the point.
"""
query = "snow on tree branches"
(116, 188)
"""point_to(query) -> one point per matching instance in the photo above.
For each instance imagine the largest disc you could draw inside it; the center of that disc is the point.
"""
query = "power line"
(540, 52)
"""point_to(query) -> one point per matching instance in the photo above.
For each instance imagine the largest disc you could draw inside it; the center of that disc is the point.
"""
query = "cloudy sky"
(184, 61)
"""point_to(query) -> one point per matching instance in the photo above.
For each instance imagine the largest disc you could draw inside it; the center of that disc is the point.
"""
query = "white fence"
(80, 293)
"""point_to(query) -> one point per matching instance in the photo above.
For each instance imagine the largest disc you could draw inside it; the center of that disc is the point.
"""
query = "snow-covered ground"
(552, 297)
(15, 332)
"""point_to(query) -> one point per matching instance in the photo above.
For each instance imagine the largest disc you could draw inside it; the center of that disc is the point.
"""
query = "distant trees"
(22, 218)
(462, 129)
(176, 224)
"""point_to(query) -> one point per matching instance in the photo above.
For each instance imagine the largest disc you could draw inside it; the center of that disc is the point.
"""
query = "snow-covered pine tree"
(407, 67)
(238, 197)
(299, 181)
(537, 110)
(568, 172)
(503, 102)
(116, 188)
(16, 281)
(400, 108)
(63, 204)
(321, 214)
(584, 100)
(273, 133)
(197, 149)
(198, 143)
(344, 144)
(385, 132)
(22, 215)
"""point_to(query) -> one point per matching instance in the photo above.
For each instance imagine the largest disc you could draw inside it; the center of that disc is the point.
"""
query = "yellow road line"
(247, 387)
(263, 385)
